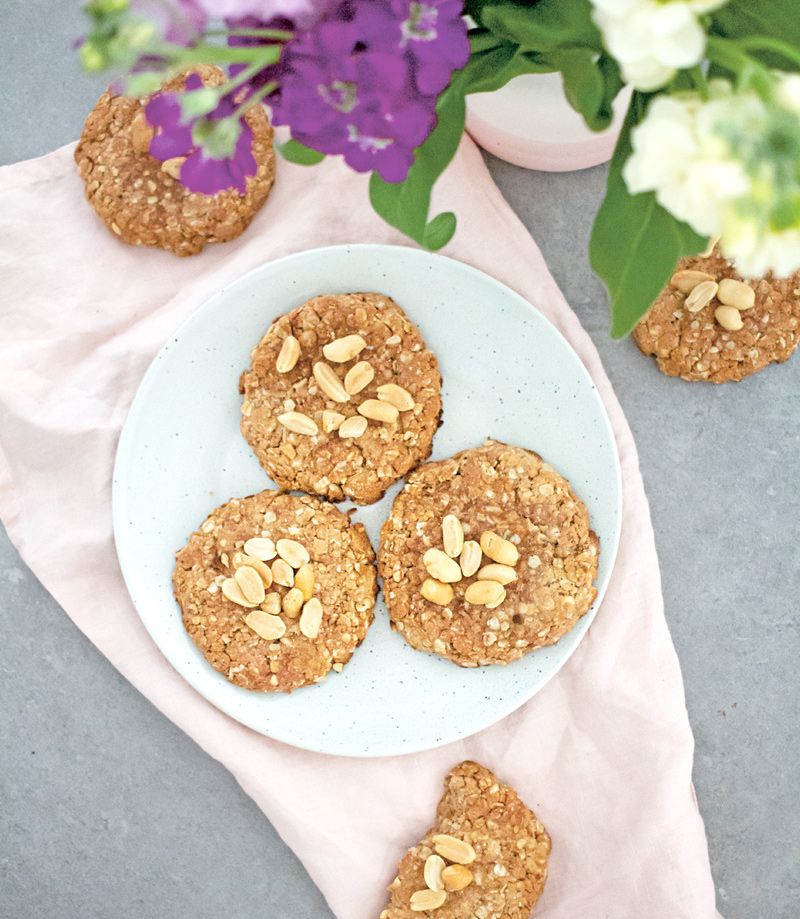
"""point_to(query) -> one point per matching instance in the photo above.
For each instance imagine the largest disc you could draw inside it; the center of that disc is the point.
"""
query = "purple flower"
(357, 103)
(218, 147)
(364, 81)
(179, 21)
(302, 13)
(433, 33)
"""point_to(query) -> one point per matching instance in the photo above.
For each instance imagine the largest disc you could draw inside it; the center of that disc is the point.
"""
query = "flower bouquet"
(710, 147)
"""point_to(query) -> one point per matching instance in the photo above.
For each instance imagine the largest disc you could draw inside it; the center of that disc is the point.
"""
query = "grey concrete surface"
(108, 810)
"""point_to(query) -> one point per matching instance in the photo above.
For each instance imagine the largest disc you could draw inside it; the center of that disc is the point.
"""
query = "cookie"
(485, 857)
(136, 195)
(690, 338)
(342, 397)
(276, 590)
(487, 556)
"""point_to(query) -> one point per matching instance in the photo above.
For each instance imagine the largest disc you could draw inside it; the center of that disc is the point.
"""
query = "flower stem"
(483, 40)
(749, 71)
(204, 53)
(249, 71)
(767, 43)
(255, 98)
(276, 34)
(699, 81)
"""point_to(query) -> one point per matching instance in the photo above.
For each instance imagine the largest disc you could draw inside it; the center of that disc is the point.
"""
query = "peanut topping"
(499, 549)
(289, 354)
(344, 349)
(453, 849)
(452, 535)
(358, 377)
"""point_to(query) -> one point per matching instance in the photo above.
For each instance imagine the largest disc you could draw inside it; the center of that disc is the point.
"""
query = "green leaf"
(489, 70)
(635, 242)
(295, 152)
(777, 19)
(584, 85)
(591, 84)
(440, 230)
(482, 40)
(548, 25)
(405, 205)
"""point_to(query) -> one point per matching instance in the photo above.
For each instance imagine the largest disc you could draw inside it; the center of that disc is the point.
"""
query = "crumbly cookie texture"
(276, 590)
(503, 855)
(136, 196)
(696, 346)
(342, 397)
(524, 574)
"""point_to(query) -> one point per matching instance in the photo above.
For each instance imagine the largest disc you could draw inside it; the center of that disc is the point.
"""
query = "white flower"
(788, 92)
(714, 165)
(652, 39)
(685, 166)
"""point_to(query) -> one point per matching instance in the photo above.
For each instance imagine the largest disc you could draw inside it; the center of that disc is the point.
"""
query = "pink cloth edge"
(43, 168)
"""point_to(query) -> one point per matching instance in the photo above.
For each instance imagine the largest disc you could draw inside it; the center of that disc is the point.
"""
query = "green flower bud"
(107, 7)
(217, 136)
(198, 102)
(92, 57)
(137, 35)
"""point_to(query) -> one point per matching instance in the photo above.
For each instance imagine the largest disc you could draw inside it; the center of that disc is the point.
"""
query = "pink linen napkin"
(603, 753)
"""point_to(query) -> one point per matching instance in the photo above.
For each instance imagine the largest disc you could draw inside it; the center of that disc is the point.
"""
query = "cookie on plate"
(276, 590)
(486, 856)
(342, 397)
(139, 198)
(487, 556)
(711, 324)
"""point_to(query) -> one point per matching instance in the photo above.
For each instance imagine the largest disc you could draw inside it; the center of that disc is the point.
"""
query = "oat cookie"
(698, 337)
(136, 195)
(276, 590)
(485, 858)
(486, 556)
(342, 397)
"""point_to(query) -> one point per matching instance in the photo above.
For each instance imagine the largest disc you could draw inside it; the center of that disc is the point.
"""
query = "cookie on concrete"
(276, 590)
(137, 197)
(697, 332)
(485, 857)
(487, 556)
(342, 397)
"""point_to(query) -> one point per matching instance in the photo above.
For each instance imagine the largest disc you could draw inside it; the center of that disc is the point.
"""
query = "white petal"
(678, 39)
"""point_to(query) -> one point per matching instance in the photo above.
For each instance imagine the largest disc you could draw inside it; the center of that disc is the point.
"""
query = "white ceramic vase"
(529, 122)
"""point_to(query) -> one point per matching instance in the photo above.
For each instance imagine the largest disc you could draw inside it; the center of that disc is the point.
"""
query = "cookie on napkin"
(484, 858)
(140, 199)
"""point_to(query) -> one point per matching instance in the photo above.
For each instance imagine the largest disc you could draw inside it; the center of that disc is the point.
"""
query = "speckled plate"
(507, 373)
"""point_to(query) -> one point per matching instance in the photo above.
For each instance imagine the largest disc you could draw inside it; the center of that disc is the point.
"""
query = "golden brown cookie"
(487, 556)
(136, 196)
(342, 397)
(276, 590)
(688, 339)
(485, 858)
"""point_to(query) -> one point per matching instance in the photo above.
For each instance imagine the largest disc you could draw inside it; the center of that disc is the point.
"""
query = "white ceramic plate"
(507, 374)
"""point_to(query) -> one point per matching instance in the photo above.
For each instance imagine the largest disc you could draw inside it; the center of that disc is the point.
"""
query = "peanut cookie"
(342, 397)
(485, 858)
(276, 590)
(486, 556)
(136, 195)
(705, 326)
